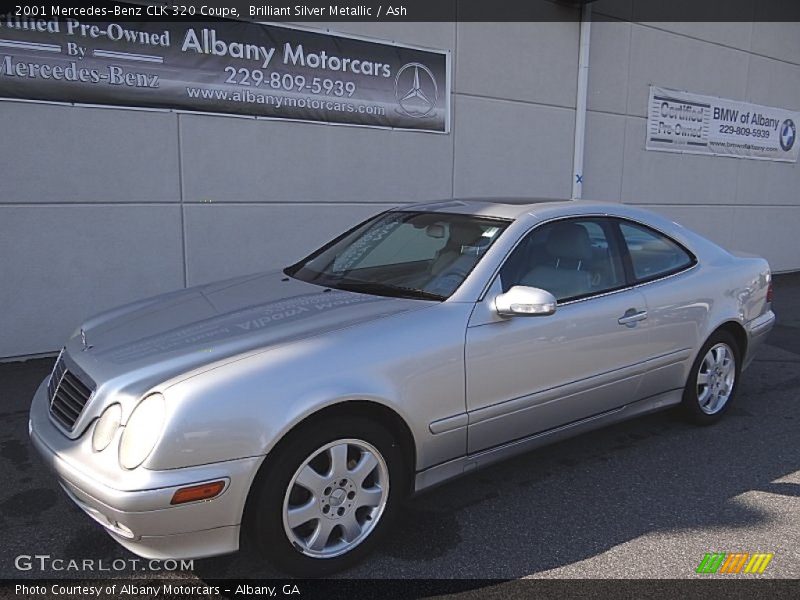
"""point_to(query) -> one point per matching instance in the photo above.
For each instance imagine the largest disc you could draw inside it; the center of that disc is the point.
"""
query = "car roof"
(528, 211)
(507, 208)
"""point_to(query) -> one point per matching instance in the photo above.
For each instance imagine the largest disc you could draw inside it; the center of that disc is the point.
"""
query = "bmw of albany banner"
(226, 67)
(686, 122)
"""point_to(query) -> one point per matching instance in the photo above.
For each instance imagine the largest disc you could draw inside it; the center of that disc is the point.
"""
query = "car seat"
(461, 235)
(566, 273)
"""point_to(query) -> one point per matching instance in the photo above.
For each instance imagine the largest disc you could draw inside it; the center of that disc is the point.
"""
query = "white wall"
(101, 206)
(741, 204)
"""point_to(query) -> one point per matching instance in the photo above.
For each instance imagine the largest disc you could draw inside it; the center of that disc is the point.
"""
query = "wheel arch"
(737, 330)
(370, 409)
(734, 328)
(690, 403)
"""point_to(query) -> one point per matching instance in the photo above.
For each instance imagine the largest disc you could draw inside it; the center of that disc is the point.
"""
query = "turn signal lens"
(204, 491)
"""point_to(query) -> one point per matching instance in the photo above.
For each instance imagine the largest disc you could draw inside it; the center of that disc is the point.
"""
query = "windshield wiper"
(385, 289)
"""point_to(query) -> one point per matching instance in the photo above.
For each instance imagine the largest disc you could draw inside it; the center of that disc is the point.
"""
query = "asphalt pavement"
(643, 499)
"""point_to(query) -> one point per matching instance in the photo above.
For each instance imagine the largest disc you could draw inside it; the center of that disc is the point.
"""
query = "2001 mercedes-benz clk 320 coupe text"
(299, 407)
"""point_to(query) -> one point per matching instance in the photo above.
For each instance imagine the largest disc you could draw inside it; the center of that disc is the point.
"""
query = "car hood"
(167, 335)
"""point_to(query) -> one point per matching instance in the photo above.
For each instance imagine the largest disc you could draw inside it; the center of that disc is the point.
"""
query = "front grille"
(68, 395)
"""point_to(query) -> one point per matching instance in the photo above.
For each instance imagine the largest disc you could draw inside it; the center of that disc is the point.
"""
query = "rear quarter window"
(653, 254)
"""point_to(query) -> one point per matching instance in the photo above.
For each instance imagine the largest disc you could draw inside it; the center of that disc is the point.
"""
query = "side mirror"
(523, 301)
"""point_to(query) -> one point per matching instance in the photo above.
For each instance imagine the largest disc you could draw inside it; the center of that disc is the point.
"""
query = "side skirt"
(466, 464)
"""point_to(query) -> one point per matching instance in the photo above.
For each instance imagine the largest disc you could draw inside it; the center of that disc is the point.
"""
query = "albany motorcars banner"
(225, 66)
(685, 122)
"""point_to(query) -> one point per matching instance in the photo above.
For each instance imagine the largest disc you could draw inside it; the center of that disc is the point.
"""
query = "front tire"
(327, 495)
(712, 383)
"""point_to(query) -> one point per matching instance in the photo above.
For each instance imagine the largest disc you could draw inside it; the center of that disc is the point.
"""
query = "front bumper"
(135, 507)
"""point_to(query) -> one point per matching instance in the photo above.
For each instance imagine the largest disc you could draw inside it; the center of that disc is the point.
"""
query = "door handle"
(631, 317)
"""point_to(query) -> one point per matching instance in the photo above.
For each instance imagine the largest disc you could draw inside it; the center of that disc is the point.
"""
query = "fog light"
(123, 531)
(204, 491)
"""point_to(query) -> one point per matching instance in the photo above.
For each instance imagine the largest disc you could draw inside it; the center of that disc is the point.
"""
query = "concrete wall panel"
(777, 40)
(759, 183)
(609, 57)
(668, 178)
(534, 62)
(675, 61)
(773, 83)
(770, 231)
(78, 154)
(61, 264)
(736, 34)
(228, 240)
(512, 148)
(247, 160)
(713, 222)
(604, 156)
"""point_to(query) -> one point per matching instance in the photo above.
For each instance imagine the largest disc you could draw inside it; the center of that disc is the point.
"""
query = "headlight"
(106, 427)
(142, 431)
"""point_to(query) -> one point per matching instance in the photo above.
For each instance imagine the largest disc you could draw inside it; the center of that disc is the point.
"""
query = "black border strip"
(699, 587)
(653, 11)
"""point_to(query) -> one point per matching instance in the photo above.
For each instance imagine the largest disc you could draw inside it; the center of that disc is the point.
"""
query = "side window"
(570, 259)
(653, 255)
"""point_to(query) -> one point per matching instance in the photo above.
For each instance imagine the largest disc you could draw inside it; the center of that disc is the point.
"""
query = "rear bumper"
(757, 331)
(143, 520)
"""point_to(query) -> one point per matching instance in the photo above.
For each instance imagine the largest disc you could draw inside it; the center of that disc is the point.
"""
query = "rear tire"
(713, 380)
(327, 495)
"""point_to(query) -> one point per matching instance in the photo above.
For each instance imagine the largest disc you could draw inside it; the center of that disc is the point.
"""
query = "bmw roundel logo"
(788, 134)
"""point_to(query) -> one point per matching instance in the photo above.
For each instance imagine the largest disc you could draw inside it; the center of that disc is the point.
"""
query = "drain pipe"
(580, 102)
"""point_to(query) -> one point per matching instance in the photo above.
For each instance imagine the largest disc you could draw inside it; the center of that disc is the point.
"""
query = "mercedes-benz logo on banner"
(416, 90)
(788, 134)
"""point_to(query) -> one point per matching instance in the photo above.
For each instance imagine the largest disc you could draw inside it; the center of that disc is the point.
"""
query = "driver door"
(528, 374)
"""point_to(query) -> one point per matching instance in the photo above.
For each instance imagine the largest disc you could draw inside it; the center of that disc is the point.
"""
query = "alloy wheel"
(336, 498)
(715, 378)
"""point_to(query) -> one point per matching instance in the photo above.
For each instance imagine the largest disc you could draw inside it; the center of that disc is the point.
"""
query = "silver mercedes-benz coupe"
(298, 408)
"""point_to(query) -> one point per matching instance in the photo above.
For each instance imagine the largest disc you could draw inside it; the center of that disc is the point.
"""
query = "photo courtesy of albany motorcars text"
(298, 407)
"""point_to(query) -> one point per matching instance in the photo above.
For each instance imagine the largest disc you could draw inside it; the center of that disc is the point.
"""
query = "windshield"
(405, 254)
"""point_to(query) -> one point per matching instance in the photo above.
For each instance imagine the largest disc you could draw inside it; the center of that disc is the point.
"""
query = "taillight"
(769, 292)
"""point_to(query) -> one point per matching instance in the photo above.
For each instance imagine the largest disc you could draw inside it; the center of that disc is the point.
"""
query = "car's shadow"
(581, 497)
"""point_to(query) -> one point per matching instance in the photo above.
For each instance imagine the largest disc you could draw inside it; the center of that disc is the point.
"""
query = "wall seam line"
(514, 101)
(452, 100)
(184, 262)
(627, 108)
(719, 44)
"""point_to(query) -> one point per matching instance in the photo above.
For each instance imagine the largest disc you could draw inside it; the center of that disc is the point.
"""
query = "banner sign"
(229, 67)
(686, 122)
